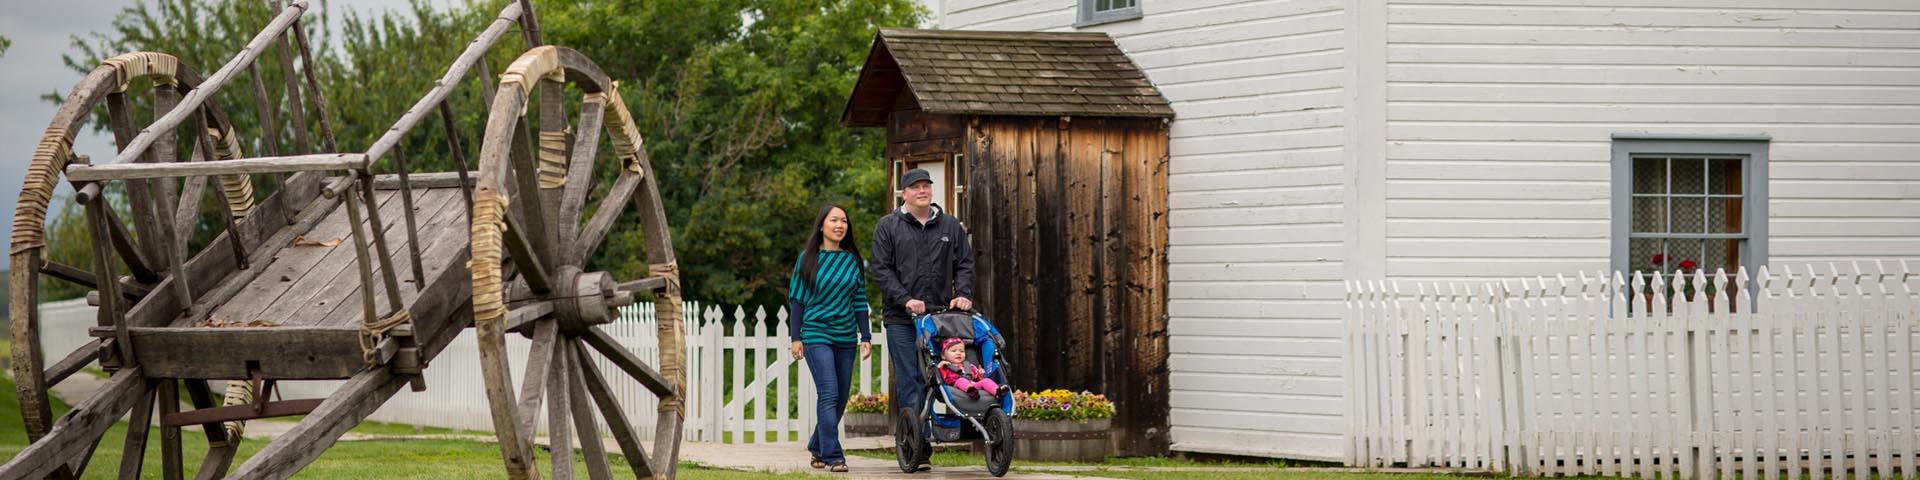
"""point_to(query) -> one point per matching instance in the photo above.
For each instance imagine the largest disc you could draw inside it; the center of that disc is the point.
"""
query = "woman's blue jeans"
(832, 369)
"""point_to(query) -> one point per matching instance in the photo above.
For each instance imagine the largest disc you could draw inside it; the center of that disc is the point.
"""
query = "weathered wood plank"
(407, 214)
(666, 440)
(138, 192)
(79, 429)
(553, 122)
(645, 284)
(528, 211)
(171, 467)
(242, 166)
(383, 253)
(132, 255)
(110, 312)
(313, 87)
(267, 109)
(461, 169)
(330, 284)
(1085, 143)
(443, 224)
(588, 241)
(540, 358)
(580, 175)
(515, 448)
(133, 454)
(617, 423)
(523, 315)
(296, 108)
(1110, 329)
(287, 270)
(438, 310)
(559, 408)
(628, 362)
(1054, 279)
(215, 264)
(523, 247)
(427, 180)
(282, 353)
(593, 448)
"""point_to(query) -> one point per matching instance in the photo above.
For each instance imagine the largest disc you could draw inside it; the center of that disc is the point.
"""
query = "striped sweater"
(834, 311)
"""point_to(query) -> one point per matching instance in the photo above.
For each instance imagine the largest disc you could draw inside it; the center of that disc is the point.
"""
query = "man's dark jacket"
(931, 263)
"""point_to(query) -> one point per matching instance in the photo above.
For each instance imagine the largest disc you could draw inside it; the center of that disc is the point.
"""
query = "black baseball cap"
(915, 175)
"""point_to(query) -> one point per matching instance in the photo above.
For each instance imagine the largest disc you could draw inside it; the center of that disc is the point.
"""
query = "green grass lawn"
(960, 456)
(421, 458)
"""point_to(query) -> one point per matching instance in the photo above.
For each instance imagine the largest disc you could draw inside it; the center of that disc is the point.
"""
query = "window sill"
(1109, 17)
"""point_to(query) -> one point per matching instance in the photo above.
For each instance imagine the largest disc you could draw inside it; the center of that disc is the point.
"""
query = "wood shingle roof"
(1001, 73)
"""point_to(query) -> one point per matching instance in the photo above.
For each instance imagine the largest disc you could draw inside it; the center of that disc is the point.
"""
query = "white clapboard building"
(1318, 141)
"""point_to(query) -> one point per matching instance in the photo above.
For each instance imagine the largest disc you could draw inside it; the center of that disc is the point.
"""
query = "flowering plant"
(1059, 404)
(867, 404)
(1682, 277)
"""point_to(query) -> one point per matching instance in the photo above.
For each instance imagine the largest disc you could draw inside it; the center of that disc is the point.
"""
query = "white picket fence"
(739, 371)
(1796, 371)
(744, 385)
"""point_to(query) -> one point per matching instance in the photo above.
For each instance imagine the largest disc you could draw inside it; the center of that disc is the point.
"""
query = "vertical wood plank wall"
(1068, 224)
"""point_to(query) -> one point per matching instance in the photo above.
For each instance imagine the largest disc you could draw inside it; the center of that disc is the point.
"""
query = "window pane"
(1125, 3)
(1642, 252)
(1681, 251)
(1650, 214)
(1689, 215)
(1724, 174)
(1723, 215)
(1649, 175)
(1724, 253)
(1102, 5)
(1689, 175)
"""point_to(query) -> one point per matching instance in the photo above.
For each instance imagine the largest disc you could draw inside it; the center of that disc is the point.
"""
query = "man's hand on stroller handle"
(960, 303)
(916, 306)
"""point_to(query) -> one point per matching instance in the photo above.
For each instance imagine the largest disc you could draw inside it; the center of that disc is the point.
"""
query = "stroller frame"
(918, 430)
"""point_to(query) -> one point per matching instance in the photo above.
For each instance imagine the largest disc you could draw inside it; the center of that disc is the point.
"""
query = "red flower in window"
(1688, 265)
(1659, 258)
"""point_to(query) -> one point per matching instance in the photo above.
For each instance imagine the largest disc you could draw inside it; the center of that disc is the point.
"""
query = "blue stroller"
(948, 414)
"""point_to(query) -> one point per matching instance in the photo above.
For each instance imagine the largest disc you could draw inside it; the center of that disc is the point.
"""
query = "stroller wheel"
(1000, 453)
(908, 437)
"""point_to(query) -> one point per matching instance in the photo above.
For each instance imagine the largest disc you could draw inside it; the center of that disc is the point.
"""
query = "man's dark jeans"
(832, 369)
(908, 384)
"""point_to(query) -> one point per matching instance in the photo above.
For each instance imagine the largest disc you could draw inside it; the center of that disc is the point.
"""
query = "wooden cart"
(351, 276)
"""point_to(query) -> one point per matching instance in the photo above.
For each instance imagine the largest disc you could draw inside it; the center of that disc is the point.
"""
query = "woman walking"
(827, 298)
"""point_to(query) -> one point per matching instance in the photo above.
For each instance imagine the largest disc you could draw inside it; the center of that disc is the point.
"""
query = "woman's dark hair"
(810, 256)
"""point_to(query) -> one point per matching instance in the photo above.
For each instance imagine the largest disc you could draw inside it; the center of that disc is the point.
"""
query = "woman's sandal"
(819, 464)
(838, 468)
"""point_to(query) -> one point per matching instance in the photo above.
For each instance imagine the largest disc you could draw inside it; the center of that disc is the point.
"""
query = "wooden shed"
(1052, 149)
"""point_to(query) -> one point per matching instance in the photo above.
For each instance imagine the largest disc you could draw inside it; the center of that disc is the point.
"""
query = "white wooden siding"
(1500, 114)
(1256, 236)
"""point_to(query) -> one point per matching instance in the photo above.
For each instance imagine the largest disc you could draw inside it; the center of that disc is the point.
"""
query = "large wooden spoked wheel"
(164, 215)
(529, 251)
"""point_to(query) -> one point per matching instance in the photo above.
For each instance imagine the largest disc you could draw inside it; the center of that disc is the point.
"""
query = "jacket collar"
(930, 220)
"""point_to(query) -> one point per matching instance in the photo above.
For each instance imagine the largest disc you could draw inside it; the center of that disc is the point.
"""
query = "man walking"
(921, 259)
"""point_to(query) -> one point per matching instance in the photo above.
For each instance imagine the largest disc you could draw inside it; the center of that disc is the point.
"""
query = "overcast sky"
(41, 31)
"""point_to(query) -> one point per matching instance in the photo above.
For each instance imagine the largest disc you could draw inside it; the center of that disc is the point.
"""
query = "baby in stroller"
(955, 371)
(971, 401)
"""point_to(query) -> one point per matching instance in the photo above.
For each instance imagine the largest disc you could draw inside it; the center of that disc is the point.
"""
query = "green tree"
(741, 104)
(739, 101)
